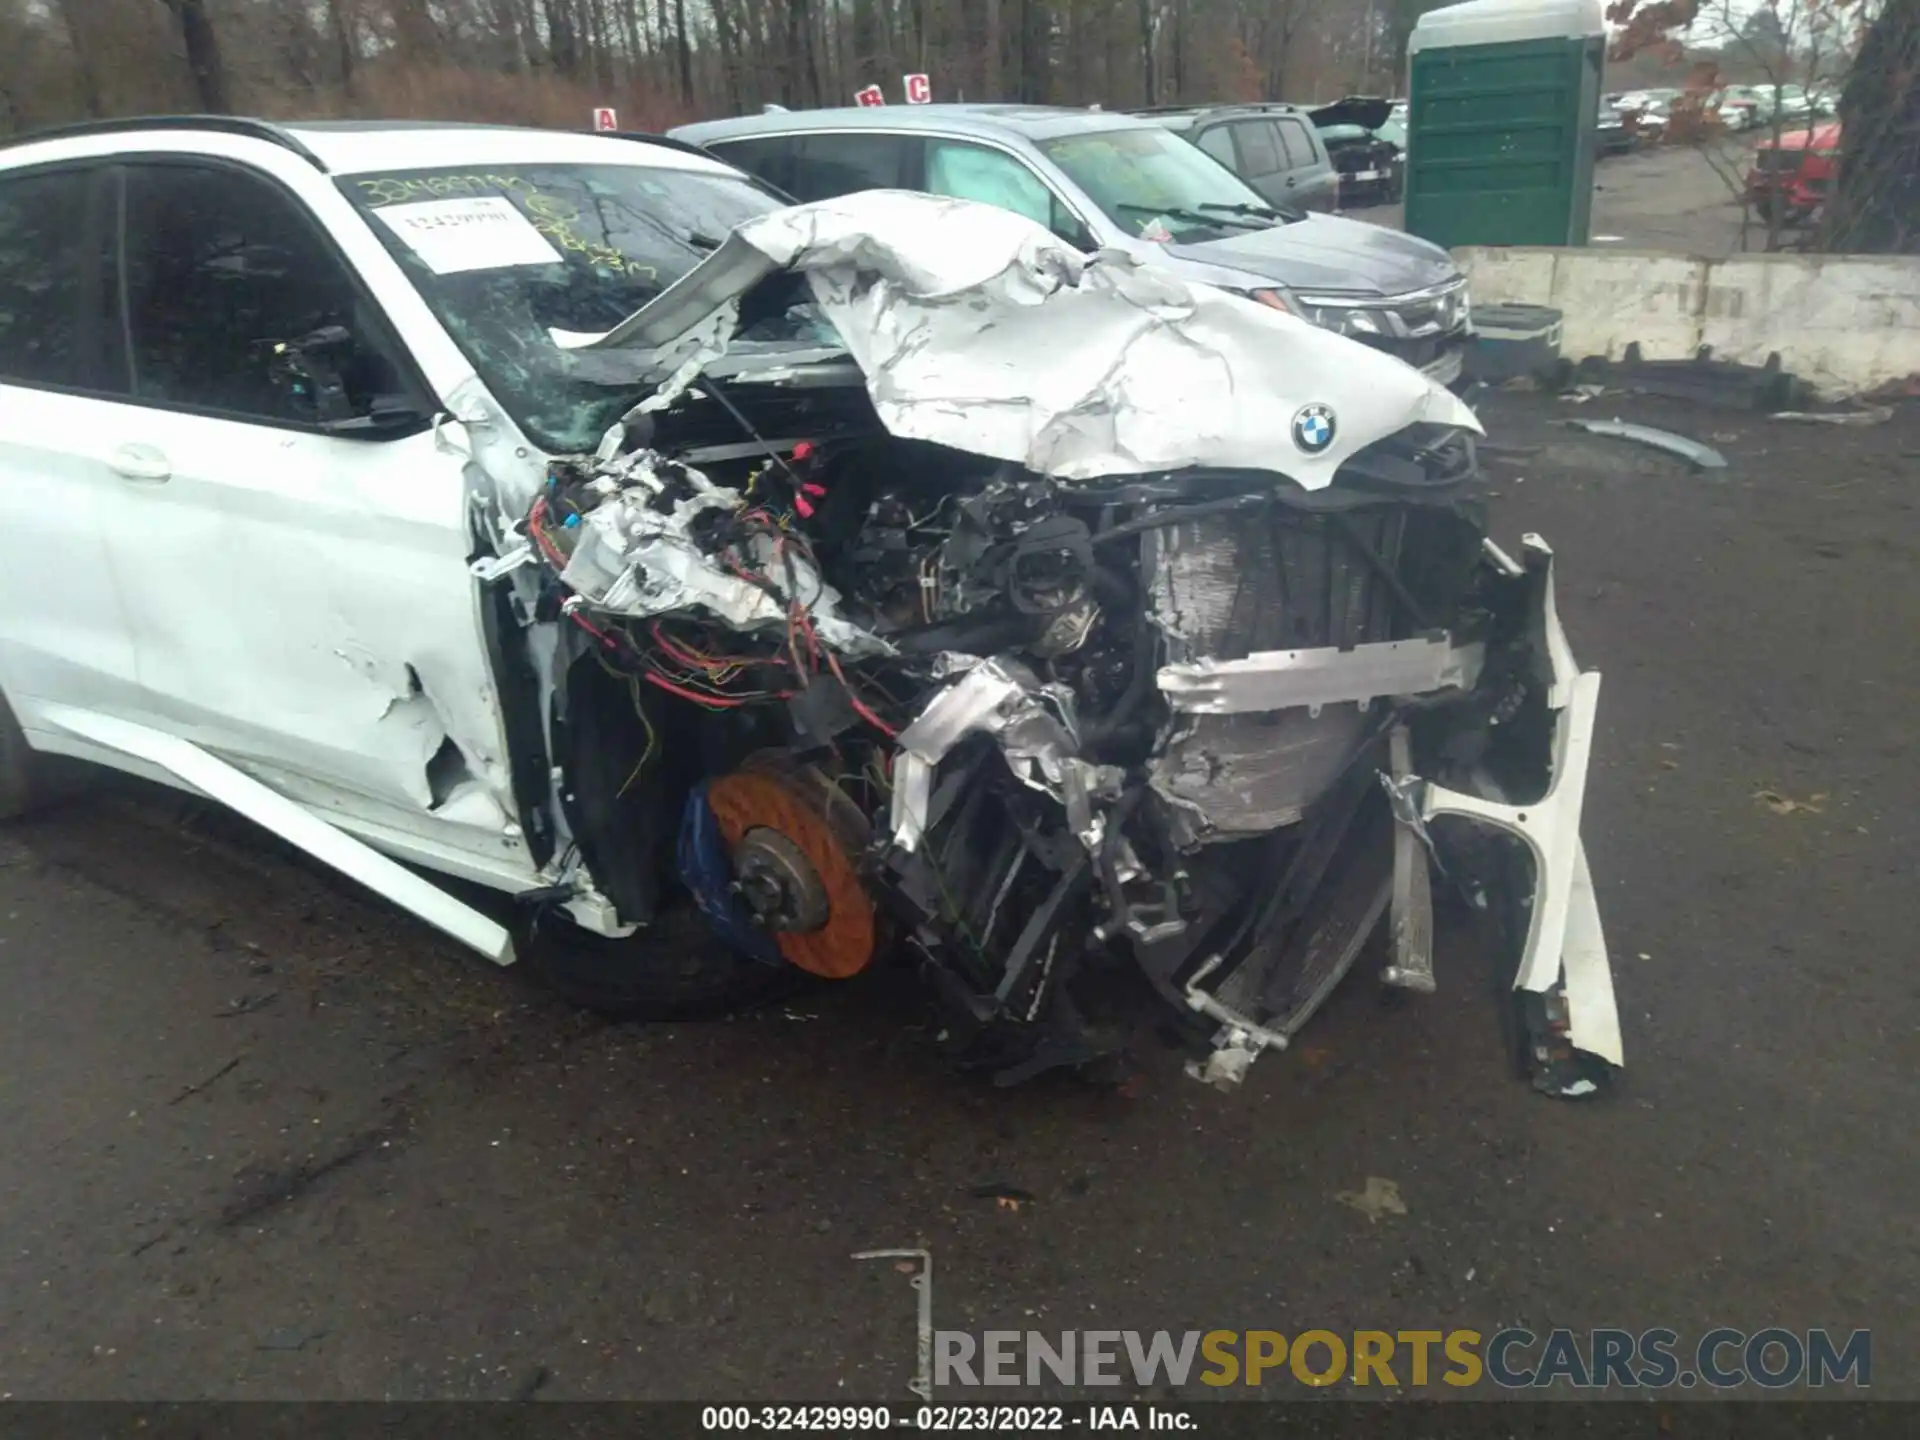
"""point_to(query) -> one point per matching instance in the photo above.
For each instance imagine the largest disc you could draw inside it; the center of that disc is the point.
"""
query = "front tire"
(675, 969)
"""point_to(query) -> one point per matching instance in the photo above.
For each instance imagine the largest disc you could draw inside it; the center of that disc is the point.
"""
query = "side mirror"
(388, 415)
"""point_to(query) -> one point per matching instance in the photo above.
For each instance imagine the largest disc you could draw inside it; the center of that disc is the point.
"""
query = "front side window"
(235, 303)
(1301, 151)
(1154, 184)
(1218, 142)
(43, 278)
(1259, 147)
(525, 265)
(993, 177)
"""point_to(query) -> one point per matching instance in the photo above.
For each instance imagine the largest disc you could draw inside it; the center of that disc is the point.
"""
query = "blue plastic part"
(707, 873)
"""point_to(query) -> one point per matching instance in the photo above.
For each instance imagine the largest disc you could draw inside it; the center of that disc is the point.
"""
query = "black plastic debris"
(1727, 384)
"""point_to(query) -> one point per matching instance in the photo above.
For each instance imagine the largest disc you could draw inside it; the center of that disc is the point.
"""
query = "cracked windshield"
(527, 264)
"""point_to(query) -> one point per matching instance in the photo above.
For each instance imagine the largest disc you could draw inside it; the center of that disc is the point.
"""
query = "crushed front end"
(1103, 699)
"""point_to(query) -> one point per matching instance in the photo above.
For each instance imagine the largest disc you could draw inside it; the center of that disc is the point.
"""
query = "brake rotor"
(792, 836)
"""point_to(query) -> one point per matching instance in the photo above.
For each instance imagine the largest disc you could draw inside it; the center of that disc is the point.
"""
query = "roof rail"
(684, 146)
(1286, 105)
(226, 124)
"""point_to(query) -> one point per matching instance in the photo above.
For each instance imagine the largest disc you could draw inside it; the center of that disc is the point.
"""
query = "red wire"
(813, 642)
(535, 519)
(594, 630)
(711, 701)
(859, 705)
(699, 659)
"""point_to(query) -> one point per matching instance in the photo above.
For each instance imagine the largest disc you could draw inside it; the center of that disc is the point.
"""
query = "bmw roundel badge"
(1313, 428)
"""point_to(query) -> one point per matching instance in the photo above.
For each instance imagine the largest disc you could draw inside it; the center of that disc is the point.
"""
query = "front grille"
(1439, 314)
(1418, 352)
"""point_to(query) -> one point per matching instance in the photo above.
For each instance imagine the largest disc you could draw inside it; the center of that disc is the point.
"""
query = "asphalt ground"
(266, 1137)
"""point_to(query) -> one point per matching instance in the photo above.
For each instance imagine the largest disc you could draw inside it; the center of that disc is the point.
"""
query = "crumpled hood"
(980, 330)
(1328, 253)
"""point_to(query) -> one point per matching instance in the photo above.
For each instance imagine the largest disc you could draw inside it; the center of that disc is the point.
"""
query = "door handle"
(140, 462)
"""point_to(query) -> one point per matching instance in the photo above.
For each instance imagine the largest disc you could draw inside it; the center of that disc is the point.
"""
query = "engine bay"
(888, 697)
(1116, 691)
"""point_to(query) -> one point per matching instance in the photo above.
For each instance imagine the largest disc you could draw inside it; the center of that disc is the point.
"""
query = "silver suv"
(1106, 181)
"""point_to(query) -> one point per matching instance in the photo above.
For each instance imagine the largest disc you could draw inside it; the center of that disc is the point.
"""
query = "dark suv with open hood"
(1121, 182)
(1317, 157)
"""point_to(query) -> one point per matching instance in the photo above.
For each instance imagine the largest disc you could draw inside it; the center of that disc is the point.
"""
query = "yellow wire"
(633, 693)
(633, 689)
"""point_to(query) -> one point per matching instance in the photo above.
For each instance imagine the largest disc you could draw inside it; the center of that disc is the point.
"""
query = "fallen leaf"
(1004, 1197)
(1379, 1197)
(1781, 805)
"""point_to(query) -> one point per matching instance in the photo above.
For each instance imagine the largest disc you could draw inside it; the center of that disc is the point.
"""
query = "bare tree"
(1876, 200)
(203, 54)
(659, 61)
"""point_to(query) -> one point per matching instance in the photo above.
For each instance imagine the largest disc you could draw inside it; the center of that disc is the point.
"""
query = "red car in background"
(1794, 173)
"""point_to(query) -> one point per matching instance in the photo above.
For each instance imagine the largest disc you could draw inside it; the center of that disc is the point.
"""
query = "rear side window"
(46, 282)
(223, 268)
(824, 166)
(1301, 151)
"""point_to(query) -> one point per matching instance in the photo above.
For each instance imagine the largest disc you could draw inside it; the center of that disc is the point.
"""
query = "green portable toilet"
(1504, 96)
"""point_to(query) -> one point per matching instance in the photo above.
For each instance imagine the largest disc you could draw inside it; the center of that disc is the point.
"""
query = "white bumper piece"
(1565, 942)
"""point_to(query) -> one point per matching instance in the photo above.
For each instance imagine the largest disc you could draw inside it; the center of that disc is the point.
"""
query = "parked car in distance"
(1793, 173)
(1632, 102)
(1394, 131)
(1276, 148)
(1101, 180)
(1736, 107)
(1650, 122)
(1791, 102)
(1611, 136)
(1369, 160)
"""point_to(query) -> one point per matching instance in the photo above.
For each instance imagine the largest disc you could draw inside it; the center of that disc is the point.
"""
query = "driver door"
(298, 588)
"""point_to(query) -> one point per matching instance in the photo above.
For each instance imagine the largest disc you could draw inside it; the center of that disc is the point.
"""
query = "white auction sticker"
(482, 232)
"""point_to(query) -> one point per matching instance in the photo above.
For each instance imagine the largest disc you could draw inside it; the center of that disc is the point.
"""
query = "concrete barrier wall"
(1845, 323)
